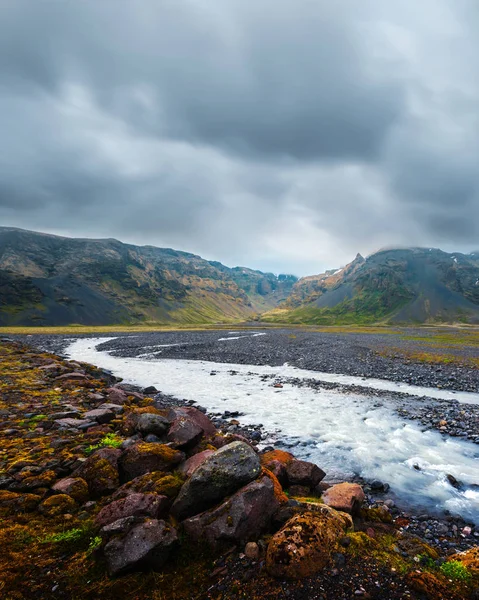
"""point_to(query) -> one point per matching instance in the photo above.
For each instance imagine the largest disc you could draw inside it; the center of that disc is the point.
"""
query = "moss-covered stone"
(12, 502)
(59, 504)
(147, 457)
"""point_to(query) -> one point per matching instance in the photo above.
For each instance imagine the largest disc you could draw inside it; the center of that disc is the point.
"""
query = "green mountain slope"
(51, 280)
(417, 285)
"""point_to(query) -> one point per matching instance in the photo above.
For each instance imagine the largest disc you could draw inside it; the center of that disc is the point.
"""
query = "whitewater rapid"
(346, 434)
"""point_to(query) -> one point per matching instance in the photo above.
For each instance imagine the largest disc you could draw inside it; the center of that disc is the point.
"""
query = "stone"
(100, 415)
(241, 518)
(346, 497)
(133, 505)
(185, 433)
(306, 543)
(190, 465)
(116, 408)
(12, 503)
(299, 491)
(119, 527)
(146, 457)
(116, 396)
(301, 472)
(76, 487)
(71, 423)
(157, 482)
(196, 416)
(146, 545)
(151, 389)
(59, 504)
(74, 375)
(149, 423)
(251, 551)
(100, 471)
(28, 480)
(221, 474)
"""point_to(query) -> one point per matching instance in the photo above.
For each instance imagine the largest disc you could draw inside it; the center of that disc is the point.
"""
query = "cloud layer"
(279, 135)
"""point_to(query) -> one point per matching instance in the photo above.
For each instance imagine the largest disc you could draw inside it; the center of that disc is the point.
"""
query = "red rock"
(116, 396)
(279, 471)
(184, 432)
(76, 487)
(134, 505)
(189, 466)
(73, 375)
(346, 497)
(196, 416)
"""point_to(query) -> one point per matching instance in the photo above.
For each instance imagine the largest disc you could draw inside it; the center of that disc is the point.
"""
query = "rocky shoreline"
(100, 480)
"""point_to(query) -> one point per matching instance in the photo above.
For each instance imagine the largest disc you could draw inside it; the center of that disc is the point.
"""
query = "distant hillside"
(417, 285)
(51, 280)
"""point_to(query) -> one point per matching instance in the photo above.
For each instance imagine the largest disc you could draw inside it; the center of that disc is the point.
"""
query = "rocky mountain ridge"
(52, 280)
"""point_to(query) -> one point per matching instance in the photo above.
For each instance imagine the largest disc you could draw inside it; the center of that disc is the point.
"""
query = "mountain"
(415, 285)
(51, 280)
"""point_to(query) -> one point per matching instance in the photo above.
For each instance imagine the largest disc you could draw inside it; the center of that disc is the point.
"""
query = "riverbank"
(52, 424)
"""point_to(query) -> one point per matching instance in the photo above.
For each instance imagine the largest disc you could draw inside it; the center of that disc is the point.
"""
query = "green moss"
(455, 570)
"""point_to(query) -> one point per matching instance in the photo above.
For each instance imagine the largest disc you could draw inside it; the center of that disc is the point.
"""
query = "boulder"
(12, 503)
(190, 465)
(100, 471)
(27, 480)
(100, 415)
(242, 518)
(221, 474)
(276, 456)
(59, 504)
(305, 544)
(185, 433)
(149, 423)
(347, 497)
(147, 457)
(75, 487)
(146, 545)
(196, 416)
(158, 482)
(119, 527)
(301, 472)
(116, 396)
(133, 505)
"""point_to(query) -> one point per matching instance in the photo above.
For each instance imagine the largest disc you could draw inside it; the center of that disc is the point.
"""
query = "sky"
(283, 135)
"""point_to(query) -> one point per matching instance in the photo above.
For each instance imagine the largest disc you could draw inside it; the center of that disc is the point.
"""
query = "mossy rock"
(12, 502)
(376, 515)
(305, 544)
(146, 457)
(59, 504)
(158, 482)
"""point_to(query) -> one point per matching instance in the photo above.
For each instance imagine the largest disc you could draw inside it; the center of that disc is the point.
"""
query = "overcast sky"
(284, 135)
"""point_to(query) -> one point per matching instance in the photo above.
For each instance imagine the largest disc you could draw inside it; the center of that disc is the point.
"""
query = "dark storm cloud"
(285, 135)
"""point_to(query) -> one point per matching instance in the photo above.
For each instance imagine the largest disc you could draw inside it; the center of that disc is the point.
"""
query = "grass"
(455, 570)
(110, 440)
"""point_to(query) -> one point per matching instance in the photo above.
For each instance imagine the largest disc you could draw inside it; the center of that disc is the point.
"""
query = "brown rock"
(147, 457)
(116, 396)
(305, 544)
(251, 551)
(147, 545)
(301, 472)
(346, 497)
(134, 505)
(242, 517)
(76, 487)
(157, 482)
